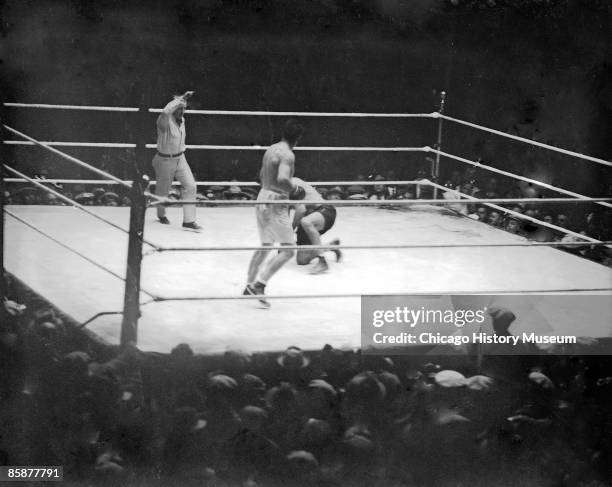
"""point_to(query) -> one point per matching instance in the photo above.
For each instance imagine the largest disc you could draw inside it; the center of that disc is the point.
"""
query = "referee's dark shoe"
(192, 227)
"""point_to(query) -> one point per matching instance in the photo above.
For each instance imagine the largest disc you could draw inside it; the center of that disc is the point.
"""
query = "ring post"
(438, 145)
(131, 302)
(4, 160)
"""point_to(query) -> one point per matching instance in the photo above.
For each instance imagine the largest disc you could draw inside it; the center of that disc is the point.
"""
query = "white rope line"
(36, 229)
(232, 183)
(68, 157)
(71, 107)
(359, 295)
(516, 176)
(74, 144)
(304, 114)
(298, 148)
(395, 202)
(528, 141)
(517, 214)
(376, 246)
(74, 251)
(73, 203)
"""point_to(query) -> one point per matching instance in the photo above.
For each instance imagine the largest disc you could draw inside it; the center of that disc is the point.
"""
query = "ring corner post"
(3, 160)
(131, 303)
(438, 145)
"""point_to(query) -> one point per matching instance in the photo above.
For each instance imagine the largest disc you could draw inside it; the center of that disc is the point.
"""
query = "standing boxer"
(273, 221)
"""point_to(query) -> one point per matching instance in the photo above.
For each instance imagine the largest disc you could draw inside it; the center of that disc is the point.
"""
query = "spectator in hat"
(185, 440)
(50, 199)
(470, 176)
(322, 400)
(491, 189)
(85, 199)
(495, 219)
(468, 188)
(378, 190)
(513, 225)
(110, 199)
(334, 193)
(25, 196)
(235, 362)
(293, 358)
(222, 417)
(251, 447)
(215, 192)
(562, 221)
(357, 191)
(252, 390)
(455, 179)
(250, 192)
(234, 193)
(391, 190)
(315, 435)
(285, 415)
(98, 194)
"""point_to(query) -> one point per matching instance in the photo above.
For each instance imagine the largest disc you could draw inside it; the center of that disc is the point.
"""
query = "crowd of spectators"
(321, 418)
(528, 220)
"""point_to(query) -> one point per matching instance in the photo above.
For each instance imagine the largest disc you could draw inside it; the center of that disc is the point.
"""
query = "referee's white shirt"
(170, 135)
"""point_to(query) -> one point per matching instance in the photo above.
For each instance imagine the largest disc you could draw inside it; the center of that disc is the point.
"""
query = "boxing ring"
(180, 286)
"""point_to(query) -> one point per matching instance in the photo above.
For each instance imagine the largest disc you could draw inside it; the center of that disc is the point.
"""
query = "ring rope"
(305, 114)
(225, 112)
(71, 107)
(325, 114)
(230, 183)
(73, 144)
(516, 176)
(320, 183)
(426, 149)
(73, 203)
(220, 147)
(522, 139)
(406, 202)
(306, 148)
(524, 217)
(97, 315)
(227, 297)
(69, 158)
(76, 252)
(61, 244)
(379, 246)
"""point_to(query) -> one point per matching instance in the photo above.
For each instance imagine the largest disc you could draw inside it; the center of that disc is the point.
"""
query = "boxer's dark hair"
(292, 131)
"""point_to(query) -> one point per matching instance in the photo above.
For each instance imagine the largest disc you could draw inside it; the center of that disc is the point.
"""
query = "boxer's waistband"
(170, 155)
(271, 194)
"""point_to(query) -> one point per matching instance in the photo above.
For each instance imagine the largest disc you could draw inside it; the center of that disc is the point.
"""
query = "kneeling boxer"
(312, 221)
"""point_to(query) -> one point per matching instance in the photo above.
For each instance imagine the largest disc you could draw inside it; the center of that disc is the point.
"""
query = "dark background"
(538, 69)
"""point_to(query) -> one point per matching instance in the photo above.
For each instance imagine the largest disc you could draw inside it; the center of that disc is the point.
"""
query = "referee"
(170, 163)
